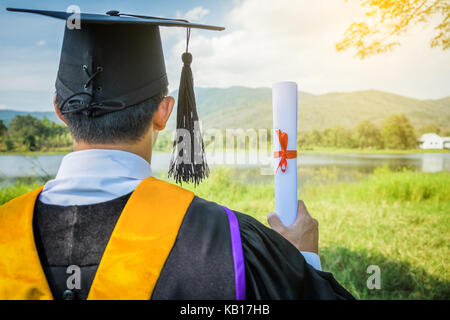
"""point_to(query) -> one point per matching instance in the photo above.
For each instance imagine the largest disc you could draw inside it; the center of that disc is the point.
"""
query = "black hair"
(127, 125)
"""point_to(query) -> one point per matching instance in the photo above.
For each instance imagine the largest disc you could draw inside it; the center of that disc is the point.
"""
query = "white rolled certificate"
(284, 101)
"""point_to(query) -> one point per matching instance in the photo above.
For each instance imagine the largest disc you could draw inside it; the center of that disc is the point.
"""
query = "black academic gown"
(200, 264)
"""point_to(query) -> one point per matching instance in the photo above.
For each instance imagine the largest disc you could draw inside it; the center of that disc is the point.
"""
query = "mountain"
(241, 107)
(6, 115)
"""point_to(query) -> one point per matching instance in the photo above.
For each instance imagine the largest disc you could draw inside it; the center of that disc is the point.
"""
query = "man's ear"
(163, 113)
(57, 110)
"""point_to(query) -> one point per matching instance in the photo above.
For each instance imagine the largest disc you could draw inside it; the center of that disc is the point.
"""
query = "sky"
(265, 41)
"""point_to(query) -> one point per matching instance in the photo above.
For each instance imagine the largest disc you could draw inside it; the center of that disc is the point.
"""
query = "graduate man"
(104, 228)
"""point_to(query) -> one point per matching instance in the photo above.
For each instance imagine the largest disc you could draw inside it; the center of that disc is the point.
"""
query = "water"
(337, 166)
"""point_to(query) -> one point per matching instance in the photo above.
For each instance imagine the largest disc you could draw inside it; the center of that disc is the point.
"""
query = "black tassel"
(190, 166)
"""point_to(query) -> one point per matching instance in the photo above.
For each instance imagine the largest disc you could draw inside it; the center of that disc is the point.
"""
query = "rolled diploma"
(284, 100)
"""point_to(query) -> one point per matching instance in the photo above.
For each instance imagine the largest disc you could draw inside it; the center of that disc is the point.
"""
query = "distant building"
(433, 141)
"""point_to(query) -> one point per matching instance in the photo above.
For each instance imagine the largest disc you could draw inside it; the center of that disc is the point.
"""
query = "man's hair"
(127, 125)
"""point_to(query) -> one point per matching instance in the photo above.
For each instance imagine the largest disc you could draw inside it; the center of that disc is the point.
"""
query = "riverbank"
(304, 151)
(398, 221)
(370, 151)
(39, 153)
(36, 153)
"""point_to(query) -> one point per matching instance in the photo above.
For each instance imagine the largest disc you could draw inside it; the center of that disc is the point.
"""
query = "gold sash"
(133, 259)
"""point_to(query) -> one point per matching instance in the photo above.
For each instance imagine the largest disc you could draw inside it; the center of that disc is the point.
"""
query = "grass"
(18, 188)
(399, 221)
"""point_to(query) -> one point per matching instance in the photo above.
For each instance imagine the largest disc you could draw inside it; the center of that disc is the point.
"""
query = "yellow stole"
(133, 259)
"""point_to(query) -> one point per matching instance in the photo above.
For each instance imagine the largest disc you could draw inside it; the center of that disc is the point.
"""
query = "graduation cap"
(113, 61)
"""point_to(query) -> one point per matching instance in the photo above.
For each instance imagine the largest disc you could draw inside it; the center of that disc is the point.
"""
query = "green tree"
(398, 133)
(3, 129)
(338, 137)
(302, 139)
(28, 131)
(9, 144)
(344, 138)
(368, 135)
(429, 128)
(386, 20)
(29, 141)
(328, 138)
(51, 129)
(26, 125)
(315, 138)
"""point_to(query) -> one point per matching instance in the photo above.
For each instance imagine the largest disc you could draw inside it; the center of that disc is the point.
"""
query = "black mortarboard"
(114, 61)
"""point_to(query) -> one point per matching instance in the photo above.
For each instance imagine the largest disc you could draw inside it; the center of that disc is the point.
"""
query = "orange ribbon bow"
(284, 154)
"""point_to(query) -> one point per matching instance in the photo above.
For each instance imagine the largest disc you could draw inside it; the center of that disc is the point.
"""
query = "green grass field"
(399, 221)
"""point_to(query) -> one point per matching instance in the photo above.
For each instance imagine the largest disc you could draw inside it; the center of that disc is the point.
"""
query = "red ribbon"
(284, 154)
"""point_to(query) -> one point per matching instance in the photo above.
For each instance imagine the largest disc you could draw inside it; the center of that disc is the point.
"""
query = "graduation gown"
(194, 249)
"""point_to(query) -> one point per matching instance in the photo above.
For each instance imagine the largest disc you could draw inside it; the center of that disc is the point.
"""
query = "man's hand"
(303, 233)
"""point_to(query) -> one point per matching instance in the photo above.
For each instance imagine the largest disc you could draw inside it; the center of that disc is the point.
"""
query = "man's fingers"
(302, 212)
(275, 222)
(301, 208)
(316, 222)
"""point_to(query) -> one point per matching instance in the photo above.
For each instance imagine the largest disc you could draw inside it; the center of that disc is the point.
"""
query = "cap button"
(113, 13)
(68, 295)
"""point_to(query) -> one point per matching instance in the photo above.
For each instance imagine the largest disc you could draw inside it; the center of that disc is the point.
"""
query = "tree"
(30, 133)
(328, 138)
(315, 138)
(27, 130)
(398, 133)
(429, 128)
(302, 139)
(338, 137)
(26, 125)
(3, 129)
(29, 142)
(51, 129)
(344, 138)
(368, 135)
(9, 144)
(389, 19)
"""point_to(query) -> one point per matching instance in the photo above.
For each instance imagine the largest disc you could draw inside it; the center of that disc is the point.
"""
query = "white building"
(433, 141)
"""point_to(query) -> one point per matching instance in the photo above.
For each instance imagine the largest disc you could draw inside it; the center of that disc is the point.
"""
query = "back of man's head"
(127, 125)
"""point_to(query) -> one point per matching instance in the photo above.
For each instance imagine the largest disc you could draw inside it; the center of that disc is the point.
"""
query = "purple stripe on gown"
(238, 254)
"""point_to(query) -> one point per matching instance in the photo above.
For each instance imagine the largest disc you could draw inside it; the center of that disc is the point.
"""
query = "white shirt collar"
(95, 175)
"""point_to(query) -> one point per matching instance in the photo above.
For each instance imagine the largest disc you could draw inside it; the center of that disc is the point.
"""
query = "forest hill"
(27, 133)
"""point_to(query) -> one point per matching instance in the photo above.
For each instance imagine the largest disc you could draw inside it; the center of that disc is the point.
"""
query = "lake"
(334, 166)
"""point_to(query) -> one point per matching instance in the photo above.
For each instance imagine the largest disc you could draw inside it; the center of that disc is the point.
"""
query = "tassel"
(188, 161)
